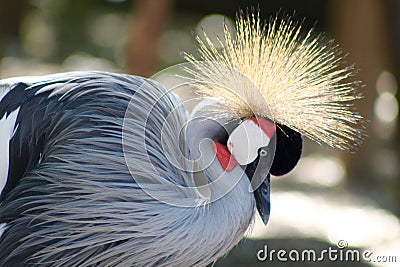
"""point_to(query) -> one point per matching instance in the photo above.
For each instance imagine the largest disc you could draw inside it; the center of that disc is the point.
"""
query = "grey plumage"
(77, 204)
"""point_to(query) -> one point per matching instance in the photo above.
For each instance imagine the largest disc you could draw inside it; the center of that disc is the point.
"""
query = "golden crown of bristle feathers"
(300, 79)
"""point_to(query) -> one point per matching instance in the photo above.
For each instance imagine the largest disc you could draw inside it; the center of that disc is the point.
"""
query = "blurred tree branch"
(362, 27)
(11, 14)
(145, 30)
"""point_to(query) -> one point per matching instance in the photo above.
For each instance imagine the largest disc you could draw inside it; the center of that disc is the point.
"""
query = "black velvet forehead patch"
(289, 145)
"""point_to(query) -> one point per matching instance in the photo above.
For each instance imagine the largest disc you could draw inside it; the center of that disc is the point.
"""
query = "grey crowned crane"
(103, 169)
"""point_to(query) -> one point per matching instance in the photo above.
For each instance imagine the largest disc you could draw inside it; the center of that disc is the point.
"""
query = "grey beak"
(262, 196)
(258, 173)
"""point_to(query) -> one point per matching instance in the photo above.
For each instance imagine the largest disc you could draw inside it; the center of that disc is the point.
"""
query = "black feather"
(289, 145)
(27, 143)
(41, 119)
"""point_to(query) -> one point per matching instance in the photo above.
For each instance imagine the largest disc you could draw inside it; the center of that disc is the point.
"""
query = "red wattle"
(267, 126)
(225, 158)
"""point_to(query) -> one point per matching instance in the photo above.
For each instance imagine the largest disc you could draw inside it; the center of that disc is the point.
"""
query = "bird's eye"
(263, 153)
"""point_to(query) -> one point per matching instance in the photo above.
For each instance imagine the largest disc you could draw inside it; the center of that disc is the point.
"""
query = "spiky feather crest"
(270, 70)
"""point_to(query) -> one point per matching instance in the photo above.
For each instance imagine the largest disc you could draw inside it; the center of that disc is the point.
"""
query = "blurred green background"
(331, 195)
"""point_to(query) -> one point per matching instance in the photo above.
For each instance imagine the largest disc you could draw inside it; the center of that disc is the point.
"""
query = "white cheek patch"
(3, 227)
(7, 130)
(245, 140)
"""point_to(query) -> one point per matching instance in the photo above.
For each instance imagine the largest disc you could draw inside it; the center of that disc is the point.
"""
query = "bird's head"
(254, 147)
(280, 87)
(260, 147)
